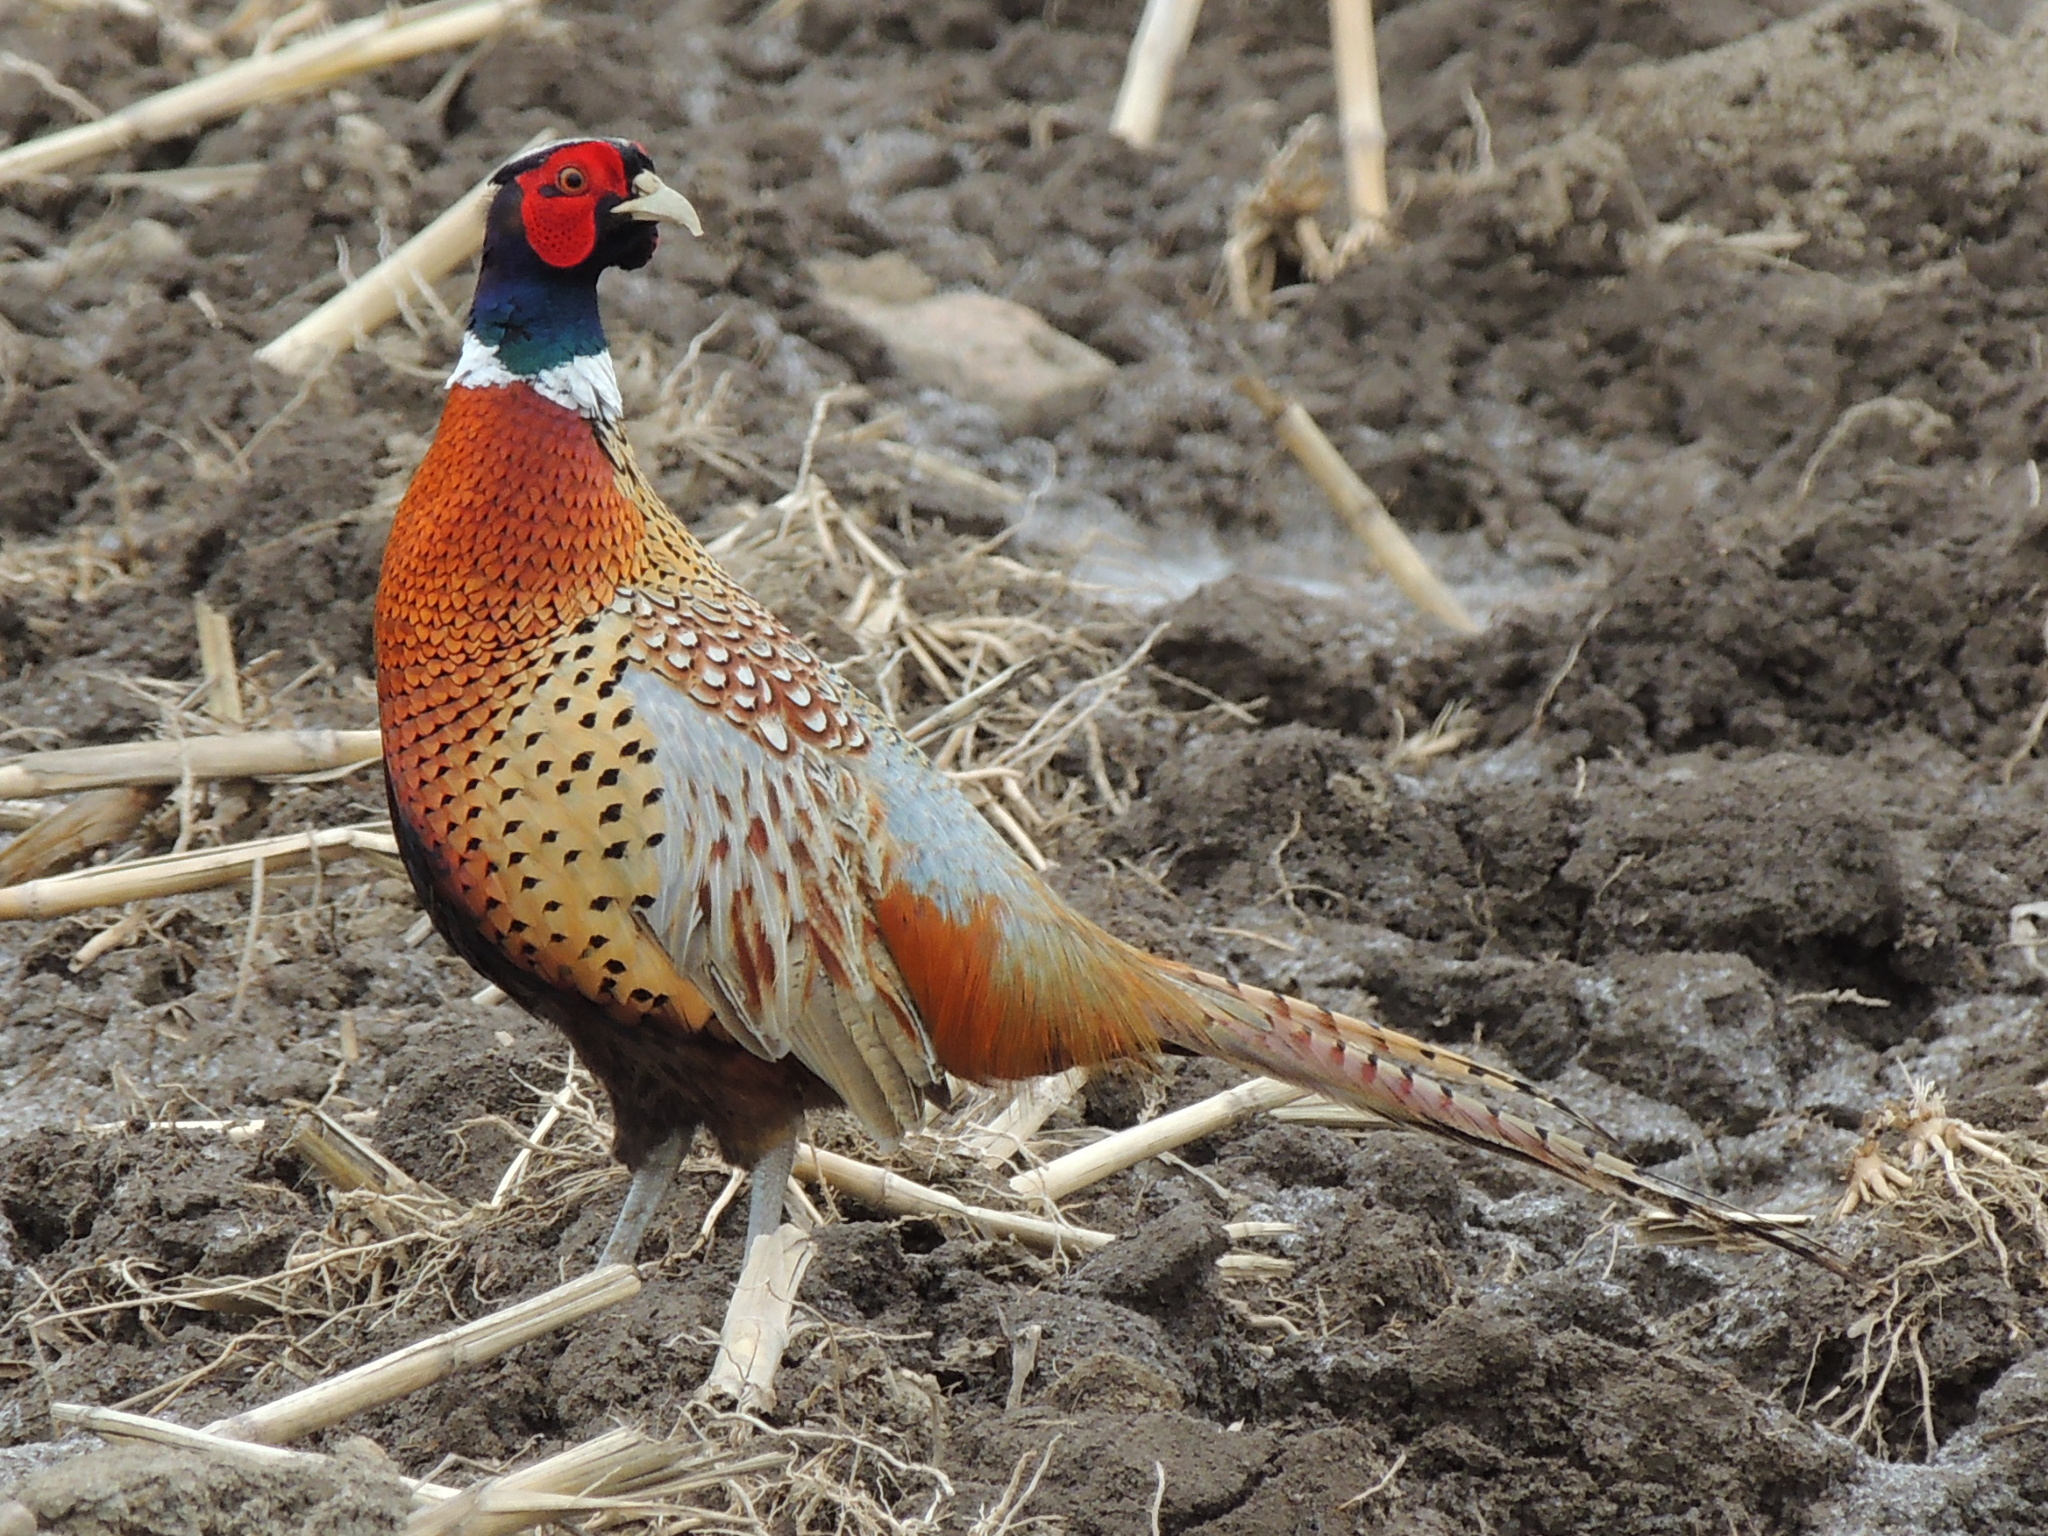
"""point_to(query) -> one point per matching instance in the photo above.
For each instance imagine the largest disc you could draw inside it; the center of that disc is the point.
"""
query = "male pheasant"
(632, 798)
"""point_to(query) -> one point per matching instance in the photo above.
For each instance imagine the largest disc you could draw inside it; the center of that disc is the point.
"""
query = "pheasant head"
(562, 215)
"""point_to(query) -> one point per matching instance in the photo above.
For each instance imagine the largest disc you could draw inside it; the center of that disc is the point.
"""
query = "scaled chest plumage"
(531, 594)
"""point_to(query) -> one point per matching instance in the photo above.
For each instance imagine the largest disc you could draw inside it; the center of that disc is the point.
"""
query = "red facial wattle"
(560, 203)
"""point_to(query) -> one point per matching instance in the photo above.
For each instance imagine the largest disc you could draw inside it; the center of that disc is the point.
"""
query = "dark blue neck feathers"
(535, 317)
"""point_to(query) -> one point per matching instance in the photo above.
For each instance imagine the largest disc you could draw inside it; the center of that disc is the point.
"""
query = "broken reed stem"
(372, 43)
(1094, 1163)
(407, 1370)
(174, 874)
(245, 970)
(217, 662)
(1163, 35)
(891, 1192)
(247, 755)
(1034, 1102)
(376, 296)
(125, 929)
(1362, 129)
(70, 836)
(345, 1160)
(1357, 505)
(115, 1424)
(756, 1328)
(623, 1474)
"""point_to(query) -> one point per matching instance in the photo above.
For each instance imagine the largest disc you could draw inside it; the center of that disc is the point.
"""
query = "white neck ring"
(587, 385)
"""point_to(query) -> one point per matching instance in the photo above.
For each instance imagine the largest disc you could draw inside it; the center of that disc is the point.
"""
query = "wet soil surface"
(1709, 366)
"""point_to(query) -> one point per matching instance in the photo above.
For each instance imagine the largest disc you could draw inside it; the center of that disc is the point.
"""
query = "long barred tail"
(1440, 1091)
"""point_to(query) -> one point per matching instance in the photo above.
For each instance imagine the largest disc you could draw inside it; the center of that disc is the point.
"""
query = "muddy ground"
(1730, 853)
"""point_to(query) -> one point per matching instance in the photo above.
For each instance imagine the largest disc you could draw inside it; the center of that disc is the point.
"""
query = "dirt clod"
(133, 1490)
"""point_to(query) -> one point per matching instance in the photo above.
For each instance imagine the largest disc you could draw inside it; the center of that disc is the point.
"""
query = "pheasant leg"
(643, 1197)
(770, 1190)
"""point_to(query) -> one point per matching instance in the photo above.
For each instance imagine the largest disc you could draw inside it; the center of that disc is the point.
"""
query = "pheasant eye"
(571, 179)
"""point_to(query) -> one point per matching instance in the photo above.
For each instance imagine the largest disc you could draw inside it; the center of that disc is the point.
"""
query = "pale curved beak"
(656, 202)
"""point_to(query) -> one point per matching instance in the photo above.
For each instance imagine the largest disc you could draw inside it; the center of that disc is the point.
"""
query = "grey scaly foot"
(770, 1189)
(643, 1197)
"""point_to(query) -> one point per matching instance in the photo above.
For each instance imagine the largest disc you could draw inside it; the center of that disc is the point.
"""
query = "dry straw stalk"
(623, 1474)
(372, 43)
(247, 755)
(115, 1424)
(345, 1160)
(1113, 1154)
(1362, 129)
(404, 1371)
(757, 1321)
(174, 874)
(217, 662)
(1033, 1103)
(1357, 505)
(1163, 35)
(379, 293)
(891, 1192)
(95, 819)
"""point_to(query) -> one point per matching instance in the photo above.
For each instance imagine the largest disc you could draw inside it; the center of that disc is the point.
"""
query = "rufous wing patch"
(1000, 1004)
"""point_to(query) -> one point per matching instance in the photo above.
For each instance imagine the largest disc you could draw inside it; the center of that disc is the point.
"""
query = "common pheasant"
(632, 798)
